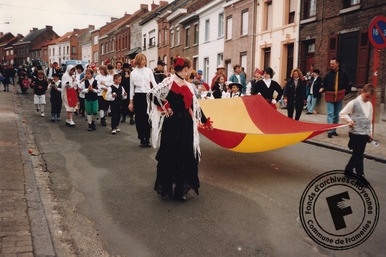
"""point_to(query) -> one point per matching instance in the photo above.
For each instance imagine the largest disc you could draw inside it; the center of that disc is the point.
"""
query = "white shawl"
(156, 118)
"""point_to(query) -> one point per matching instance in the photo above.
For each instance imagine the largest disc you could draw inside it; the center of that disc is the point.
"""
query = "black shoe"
(90, 127)
(123, 119)
(103, 122)
(93, 127)
(334, 134)
(132, 121)
(329, 135)
(145, 143)
(309, 113)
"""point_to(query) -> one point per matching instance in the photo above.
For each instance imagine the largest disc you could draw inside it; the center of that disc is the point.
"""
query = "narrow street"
(97, 191)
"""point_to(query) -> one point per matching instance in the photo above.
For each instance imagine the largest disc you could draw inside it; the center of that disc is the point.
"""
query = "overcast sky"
(64, 15)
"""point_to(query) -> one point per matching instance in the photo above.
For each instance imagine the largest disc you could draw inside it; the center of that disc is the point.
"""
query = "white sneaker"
(114, 131)
(118, 130)
(71, 123)
(42, 114)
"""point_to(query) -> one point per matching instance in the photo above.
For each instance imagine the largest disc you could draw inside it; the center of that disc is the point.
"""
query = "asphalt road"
(97, 190)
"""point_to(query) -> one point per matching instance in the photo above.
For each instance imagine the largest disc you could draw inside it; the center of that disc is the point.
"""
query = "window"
(160, 38)
(207, 31)
(269, 15)
(220, 25)
(102, 49)
(152, 38)
(311, 47)
(165, 36)
(220, 59)
(243, 60)
(11, 52)
(244, 23)
(229, 28)
(187, 36)
(73, 51)
(95, 40)
(171, 38)
(267, 57)
(60, 51)
(309, 9)
(144, 42)
(196, 33)
(350, 3)
(178, 36)
(291, 14)
(95, 56)
(206, 69)
(53, 51)
(7, 52)
(68, 50)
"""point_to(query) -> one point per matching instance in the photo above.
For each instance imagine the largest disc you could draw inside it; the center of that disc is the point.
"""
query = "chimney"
(33, 29)
(144, 7)
(76, 30)
(91, 27)
(113, 19)
(163, 3)
(153, 6)
(48, 27)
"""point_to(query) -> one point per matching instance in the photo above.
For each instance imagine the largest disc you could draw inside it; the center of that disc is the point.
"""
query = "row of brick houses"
(253, 33)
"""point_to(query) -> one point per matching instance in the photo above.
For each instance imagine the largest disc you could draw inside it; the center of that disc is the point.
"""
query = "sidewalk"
(340, 142)
(23, 227)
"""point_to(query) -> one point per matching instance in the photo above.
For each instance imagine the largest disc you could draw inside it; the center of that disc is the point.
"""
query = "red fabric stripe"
(223, 138)
(270, 121)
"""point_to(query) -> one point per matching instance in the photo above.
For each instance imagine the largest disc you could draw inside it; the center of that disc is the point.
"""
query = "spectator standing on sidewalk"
(40, 86)
(313, 91)
(238, 76)
(295, 94)
(267, 87)
(358, 113)
(336, 85)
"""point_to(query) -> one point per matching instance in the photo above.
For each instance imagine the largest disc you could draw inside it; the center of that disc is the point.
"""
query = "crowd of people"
(164, 105)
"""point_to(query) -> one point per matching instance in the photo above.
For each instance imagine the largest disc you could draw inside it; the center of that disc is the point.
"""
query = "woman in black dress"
(175, 115)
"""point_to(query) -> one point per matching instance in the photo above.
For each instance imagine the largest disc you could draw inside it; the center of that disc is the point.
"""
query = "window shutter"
(363, 58)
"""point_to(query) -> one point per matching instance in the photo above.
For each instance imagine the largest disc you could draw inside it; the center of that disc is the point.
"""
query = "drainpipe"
(253, 46)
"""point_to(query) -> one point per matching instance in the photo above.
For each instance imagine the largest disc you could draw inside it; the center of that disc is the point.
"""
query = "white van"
(65, 63)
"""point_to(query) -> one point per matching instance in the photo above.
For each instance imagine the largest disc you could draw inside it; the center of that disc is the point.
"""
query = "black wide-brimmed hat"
(239, 85)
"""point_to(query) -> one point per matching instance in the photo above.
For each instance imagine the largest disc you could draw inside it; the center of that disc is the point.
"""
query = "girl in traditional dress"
(175, 115)
(69, 96)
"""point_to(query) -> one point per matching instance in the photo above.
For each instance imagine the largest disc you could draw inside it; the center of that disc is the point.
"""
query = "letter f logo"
(338, 209)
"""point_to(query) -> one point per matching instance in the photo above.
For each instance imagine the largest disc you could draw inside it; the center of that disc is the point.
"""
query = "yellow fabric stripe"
(229, 114)
(261, 143)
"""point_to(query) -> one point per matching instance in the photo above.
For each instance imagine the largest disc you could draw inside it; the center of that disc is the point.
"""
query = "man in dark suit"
(313, 91)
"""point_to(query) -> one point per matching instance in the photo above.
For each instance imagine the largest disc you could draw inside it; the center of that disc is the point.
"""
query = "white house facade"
(277, 33)
(211, 38)
(150, 42)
